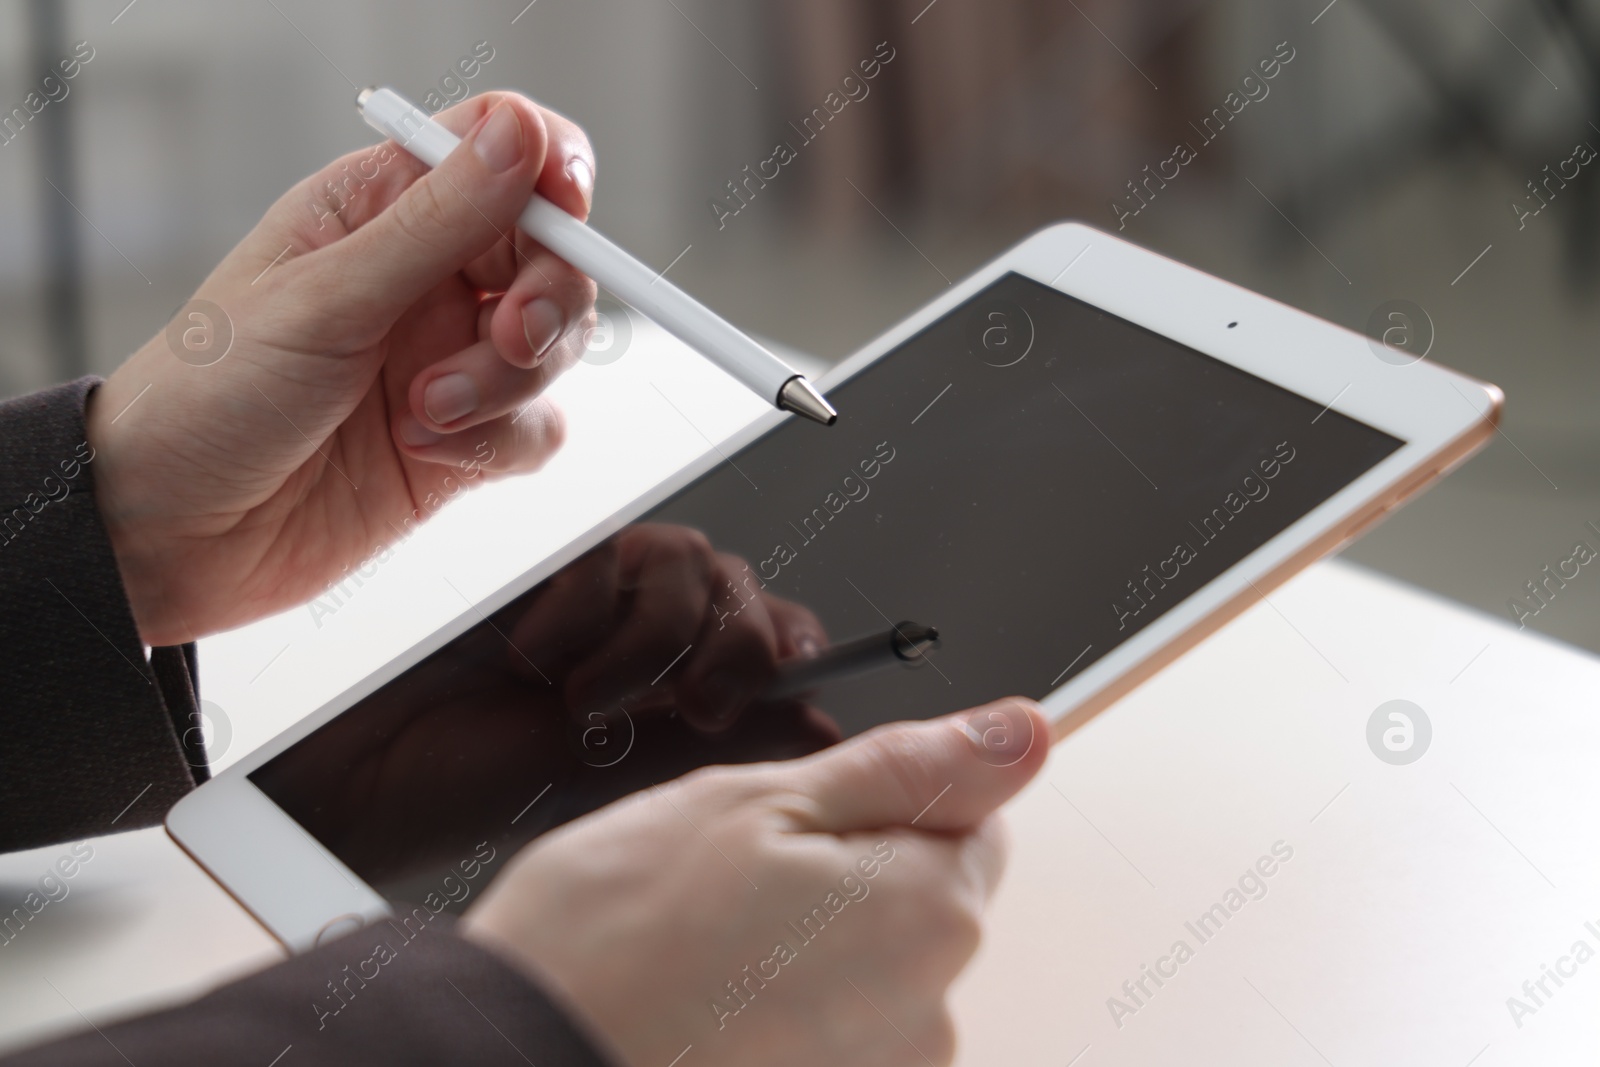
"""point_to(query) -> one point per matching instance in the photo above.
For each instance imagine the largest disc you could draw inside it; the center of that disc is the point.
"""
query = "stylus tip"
(912, 641)
(363, 96)
(801, 397)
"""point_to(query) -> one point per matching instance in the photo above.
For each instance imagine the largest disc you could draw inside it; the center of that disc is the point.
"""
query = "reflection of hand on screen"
(656, 616)
(581, 685)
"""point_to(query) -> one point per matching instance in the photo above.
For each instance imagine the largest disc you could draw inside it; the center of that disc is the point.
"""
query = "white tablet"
(1072, 466)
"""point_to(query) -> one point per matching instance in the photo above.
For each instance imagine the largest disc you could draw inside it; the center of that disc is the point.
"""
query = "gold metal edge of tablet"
(237, 899)
(1435, 467)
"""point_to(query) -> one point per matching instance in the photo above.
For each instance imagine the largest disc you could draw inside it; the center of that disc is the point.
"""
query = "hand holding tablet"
(1078, 462)
(839, 886)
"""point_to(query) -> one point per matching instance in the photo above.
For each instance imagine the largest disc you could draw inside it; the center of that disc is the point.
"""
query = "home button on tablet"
(337, 927)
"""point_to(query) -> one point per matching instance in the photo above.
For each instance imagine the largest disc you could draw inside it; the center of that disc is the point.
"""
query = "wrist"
(122, 515)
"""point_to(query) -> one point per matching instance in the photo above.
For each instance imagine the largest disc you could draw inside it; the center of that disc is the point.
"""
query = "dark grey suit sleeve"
(91, 730)
(93, 738)
(430, 1001)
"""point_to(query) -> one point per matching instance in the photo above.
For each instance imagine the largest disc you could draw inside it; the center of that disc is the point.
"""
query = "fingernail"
(413, 433)
(499, 141)
(582, 176)
(1000, 733)
(542, 322)
(449, 398)
(808, 645)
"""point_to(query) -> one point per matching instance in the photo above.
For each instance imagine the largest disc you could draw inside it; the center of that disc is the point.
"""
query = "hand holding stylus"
(378, 343)
(673, 310)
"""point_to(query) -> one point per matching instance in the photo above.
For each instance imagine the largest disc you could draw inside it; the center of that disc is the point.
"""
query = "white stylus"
(628, 279)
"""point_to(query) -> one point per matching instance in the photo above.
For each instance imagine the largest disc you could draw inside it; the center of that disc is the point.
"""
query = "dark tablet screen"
(1031, 477)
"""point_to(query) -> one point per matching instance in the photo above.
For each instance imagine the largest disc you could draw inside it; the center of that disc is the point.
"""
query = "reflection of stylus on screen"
(907, 645)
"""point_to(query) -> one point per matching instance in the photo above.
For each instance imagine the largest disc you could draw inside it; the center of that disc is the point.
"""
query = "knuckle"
(688, 794)
(555, 430)
(717, 788)
(963, 932)
(794, 805)
(936, 1038)
(912, 763)
(421, 213)
(941, 918)
(952, 925)
(541, 430)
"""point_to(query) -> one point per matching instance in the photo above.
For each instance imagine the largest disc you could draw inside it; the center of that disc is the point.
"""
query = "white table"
(1417, 900)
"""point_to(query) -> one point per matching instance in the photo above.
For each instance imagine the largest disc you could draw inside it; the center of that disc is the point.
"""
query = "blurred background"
(1417, 150)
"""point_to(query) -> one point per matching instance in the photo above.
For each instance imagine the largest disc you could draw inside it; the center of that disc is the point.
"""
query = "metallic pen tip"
(363, 96)
(802, 398)
(912, 641)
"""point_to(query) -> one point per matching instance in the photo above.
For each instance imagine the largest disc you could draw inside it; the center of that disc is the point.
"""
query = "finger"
(340, 198)
(945, 774)
(486, 308)
(567, 179)
(943, 882)
(475, 386)
(444, 220)
(357, 187)
(517, 443)
(736, 654)
(548, 300)
(354, 189)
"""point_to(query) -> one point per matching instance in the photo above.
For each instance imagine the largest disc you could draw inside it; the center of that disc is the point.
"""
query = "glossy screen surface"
(1030, 476)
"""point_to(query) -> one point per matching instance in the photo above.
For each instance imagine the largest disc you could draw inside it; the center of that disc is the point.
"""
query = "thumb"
(446, 218)
(944, 774)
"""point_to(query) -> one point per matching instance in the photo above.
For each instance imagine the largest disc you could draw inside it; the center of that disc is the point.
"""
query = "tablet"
(1050, 482)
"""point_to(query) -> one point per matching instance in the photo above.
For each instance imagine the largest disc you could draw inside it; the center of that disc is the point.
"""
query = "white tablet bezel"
(303, 894)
